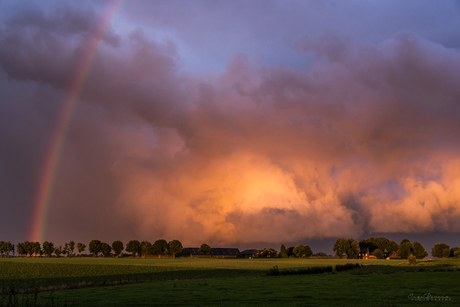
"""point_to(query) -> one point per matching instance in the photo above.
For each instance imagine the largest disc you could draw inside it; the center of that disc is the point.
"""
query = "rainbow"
(48, 175)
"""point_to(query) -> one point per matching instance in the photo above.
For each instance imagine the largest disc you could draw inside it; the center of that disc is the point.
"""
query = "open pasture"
(233, 282)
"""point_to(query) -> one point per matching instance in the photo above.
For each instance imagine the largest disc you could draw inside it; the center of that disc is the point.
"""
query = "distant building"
(249, 253)
(216, 252)
(365, 254)
(225, 252)
(191, 252)
(393, 255)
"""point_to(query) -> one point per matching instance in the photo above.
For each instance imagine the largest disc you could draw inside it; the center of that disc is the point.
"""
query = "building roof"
(215, 251)
(192, 250)
(225, 251)
(249, 252)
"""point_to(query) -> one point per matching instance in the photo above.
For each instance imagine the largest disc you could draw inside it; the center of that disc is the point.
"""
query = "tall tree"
(302, 251)
(95, 247)
(438, 248)
(146, 248)
(117, 247)
(174, 247)
(27, 248)
(419, 250)
(205, 249)
(369, 243)
(21, 250)
(353, 250)
(9, 248)
(392, 247)
(71, 248)
(341, 247)
(382, 243)
(160, 247)
(283, 253)
(404, 250)
(81, 248)
(36, 248)
(48, 248)
(105, 249)
(65, 250)
(134, 247)
(58, 251)
(404, 241)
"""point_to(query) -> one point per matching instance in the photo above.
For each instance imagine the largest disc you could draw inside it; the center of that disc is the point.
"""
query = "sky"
(233, 123)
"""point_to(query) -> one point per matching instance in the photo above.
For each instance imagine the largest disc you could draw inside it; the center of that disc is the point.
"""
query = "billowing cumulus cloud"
(365, 140)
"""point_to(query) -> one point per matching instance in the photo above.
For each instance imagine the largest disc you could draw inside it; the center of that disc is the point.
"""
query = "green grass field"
(232, 282)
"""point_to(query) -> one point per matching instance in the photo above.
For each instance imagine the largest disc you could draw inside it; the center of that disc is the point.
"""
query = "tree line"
(95, 247)
(349, 248)
(381, 247)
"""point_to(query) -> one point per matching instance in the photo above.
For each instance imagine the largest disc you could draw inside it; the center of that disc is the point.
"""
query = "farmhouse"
(393, 255)
(249, 253)
(365, 254)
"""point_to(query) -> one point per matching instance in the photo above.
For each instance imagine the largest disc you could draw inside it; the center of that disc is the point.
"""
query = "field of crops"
(45, 272)
(229, 281)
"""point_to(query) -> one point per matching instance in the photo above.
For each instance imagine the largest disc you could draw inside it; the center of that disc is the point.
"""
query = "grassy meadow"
(229, 282)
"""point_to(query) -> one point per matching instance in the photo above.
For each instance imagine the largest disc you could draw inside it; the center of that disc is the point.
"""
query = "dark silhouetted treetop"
(95, 247)
(105, 249)
(205, 249)
(438, 249)
(81, 248)
(174, 248)
(418, 250)
(404, 250)
(134, 247)
(117, 247)
(160, 247)
(146, 248)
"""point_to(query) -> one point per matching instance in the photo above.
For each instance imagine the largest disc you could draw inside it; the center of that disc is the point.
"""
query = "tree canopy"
(117, 247)
(81, 248)
(48, 248)
(205, 249)
(302, 251)
(353, 250)
(146, 248)
(438, 249)
(283, 252)
(174, 248)
(95, 247)
(160, 247)
(341, 247)
(134, 247)
(105, 249)
(404, 250)
(418, 250)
